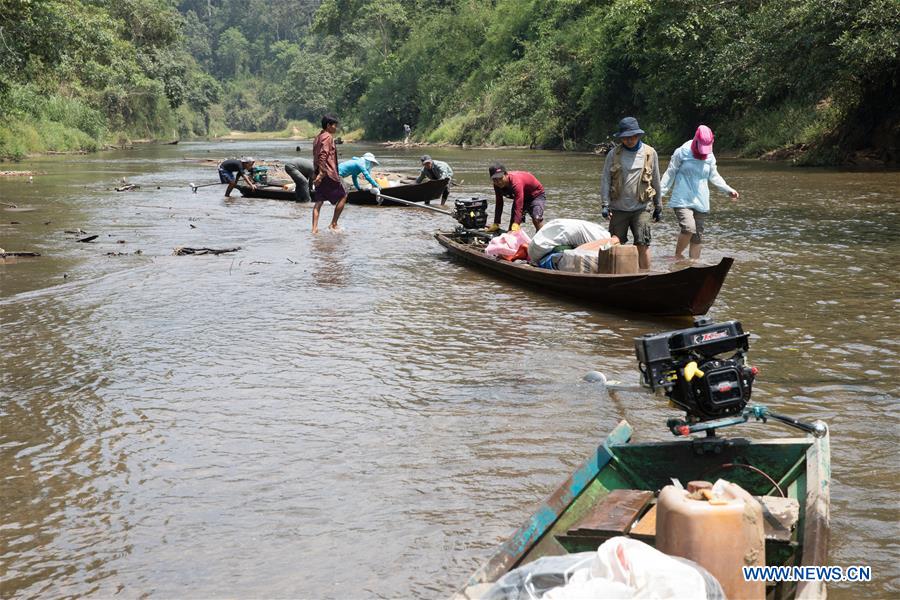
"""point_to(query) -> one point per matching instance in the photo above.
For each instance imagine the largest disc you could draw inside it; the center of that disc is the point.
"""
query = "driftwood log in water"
(18, 173)
(185, 250)
(4, 254)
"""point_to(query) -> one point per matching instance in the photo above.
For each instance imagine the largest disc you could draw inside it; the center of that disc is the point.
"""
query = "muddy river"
(357, 415)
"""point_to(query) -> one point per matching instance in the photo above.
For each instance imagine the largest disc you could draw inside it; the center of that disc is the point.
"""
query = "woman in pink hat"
(690, 171)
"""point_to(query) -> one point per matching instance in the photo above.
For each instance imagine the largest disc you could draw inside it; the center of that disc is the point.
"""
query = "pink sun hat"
(703, 140)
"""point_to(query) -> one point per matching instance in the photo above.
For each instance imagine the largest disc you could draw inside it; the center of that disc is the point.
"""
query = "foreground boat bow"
(800, 468)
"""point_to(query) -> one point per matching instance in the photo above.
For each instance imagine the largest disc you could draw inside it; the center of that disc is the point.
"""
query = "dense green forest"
(814, 76)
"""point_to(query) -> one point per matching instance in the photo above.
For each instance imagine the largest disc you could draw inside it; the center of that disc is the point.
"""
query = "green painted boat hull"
(800, 466)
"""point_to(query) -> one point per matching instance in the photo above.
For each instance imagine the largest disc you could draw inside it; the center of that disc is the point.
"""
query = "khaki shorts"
(691, 221)
(637, 221)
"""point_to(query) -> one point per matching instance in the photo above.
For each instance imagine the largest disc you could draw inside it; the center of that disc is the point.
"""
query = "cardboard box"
(618, 260)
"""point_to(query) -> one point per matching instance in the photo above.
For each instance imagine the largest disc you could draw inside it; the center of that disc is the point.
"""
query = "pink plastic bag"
(506, 245)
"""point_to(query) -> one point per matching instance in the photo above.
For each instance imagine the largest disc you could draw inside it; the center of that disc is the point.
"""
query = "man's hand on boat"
(493, 227)
(377, 192)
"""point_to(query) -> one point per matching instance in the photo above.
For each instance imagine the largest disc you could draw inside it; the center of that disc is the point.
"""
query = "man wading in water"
(629, 188)
(328, 183)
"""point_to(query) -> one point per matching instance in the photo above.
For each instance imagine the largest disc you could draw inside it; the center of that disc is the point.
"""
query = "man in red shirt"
(329, 185)
(527, 194)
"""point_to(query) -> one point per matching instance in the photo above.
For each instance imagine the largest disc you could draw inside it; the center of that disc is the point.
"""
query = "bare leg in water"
(643, 257)
(695, 250)
(681, 245)
(683, 240)
(337, 214)
(316, 208)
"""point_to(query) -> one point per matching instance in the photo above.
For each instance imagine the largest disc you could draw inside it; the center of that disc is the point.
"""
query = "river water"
(354, 415)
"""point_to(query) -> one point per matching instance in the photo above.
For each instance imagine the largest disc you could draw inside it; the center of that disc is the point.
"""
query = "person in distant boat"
(359, 165)
(527, 194)
(328, 183)
(407, 130)
(231, 169)
(301, 170)
(433, 170)
(629, 188)
(691, 170)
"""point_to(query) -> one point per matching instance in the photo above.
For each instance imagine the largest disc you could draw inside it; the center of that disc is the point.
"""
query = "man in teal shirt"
(357, 166)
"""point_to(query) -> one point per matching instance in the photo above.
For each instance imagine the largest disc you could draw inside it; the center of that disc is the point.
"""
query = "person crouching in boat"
(629, 188)
(434, 170)
(691, 167)
(300, 170)
(527, 194)
(231, 169)
(357, 166)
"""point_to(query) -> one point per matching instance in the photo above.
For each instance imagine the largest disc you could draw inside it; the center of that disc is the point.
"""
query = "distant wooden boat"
(619, 471)
(272, 191)
(417, 192)
(688, 291)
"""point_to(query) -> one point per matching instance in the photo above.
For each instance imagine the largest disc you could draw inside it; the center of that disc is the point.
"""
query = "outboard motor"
(471, 213)
(260, 174)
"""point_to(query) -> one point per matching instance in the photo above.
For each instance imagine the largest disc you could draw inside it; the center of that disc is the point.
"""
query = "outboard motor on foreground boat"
(471, 213)
(703, 370)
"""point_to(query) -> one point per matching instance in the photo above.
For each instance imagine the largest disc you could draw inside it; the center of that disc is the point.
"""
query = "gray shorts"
(535, 207)
(638, 221)
(691, 221)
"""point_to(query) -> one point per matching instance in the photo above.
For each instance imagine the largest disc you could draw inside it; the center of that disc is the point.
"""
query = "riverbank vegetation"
(812, 80)
(766, 74)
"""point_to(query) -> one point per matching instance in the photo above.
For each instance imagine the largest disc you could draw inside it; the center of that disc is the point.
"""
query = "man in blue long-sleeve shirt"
(357, 166)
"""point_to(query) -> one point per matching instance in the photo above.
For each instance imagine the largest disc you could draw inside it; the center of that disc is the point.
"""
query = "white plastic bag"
(621, 568)
(579, 261)
(627, 568)
(563, 232)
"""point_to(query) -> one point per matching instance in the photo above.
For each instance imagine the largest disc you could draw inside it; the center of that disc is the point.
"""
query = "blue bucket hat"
(628, 127)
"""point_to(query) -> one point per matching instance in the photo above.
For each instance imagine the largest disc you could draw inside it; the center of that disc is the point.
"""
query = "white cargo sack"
(621, 569)
(563, 232)
(627, 568)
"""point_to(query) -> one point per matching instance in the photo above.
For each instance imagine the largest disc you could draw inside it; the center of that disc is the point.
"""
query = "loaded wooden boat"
(688, 291)
(613, 493)
(417, 192)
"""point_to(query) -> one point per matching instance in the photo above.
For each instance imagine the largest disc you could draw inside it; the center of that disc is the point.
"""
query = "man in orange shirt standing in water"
(329, 185)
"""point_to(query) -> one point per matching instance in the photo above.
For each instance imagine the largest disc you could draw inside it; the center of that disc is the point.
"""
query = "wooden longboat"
(800, 466)
(417, 192)
(688, 291)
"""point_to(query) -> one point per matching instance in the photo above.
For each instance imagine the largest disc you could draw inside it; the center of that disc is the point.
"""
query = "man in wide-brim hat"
(629, 189)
